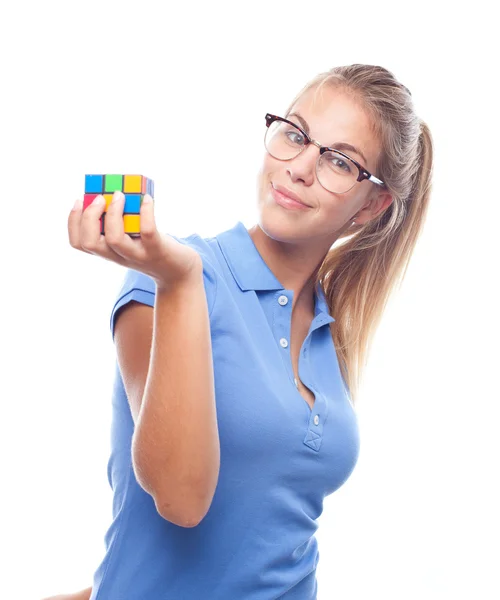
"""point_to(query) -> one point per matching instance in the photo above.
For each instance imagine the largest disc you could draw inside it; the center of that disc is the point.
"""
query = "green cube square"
(113, 183)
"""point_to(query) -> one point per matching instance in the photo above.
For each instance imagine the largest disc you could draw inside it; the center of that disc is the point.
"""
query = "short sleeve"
(136, 286)
(142, 288)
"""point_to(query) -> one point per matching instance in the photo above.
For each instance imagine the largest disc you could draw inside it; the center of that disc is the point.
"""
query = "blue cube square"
(132, 204)
(94, 184)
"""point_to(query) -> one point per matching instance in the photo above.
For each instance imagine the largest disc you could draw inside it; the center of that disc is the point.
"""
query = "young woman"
(239, 357)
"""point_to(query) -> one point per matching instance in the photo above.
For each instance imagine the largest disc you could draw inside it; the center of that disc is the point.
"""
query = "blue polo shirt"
(278, 458)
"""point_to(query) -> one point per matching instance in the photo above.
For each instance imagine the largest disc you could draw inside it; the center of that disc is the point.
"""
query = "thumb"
(148, 223)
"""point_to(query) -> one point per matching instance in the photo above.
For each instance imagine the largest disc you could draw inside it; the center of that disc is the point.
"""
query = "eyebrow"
(336, 145)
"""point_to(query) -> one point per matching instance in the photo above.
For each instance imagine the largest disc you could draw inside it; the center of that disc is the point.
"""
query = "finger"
(115, 238)
(74, 225)
(90, 224)
(84, 227)
(132, 249)
(151, 239)
(149, 232)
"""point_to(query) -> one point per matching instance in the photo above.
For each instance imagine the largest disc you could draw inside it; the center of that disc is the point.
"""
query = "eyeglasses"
(336, 172)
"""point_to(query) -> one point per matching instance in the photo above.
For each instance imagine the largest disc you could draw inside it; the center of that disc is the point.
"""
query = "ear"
(379, 202)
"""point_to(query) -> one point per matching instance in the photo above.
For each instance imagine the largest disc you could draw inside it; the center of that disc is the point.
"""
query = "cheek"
(262, 186)
(266, 173)
(334, 208)
(268, 167)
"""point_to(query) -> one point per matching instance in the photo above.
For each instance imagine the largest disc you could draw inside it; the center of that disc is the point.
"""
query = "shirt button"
(283, 300)
(316, 419)
(284, 343)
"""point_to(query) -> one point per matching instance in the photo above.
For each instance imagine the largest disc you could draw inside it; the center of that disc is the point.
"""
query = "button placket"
(284, 343)
(317, 418)
(314, 416)
(283, 301)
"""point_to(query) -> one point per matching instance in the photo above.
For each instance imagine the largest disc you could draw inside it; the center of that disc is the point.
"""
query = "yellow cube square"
(132, 184)
(131, 223)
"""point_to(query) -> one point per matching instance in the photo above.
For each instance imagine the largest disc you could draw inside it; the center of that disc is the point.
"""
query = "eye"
(340, 164)
(295, 137)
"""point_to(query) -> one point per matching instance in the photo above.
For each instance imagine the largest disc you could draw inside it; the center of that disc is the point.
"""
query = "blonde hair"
(359, 275)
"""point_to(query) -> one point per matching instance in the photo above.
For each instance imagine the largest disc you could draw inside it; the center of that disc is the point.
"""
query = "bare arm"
(165, 357)
(176, 444)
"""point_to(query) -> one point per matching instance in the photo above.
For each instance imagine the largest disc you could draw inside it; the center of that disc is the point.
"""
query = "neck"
(294, 266)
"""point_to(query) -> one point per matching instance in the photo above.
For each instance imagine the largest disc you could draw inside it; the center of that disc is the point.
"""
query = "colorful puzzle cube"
(135, 187)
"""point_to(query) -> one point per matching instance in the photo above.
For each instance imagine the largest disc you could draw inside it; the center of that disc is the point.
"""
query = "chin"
(276, 225)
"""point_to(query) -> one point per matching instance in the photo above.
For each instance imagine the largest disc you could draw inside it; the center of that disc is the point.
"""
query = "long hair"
(359, 274)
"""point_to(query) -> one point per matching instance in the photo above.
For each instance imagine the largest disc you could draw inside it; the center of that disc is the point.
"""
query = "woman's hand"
(164, 259)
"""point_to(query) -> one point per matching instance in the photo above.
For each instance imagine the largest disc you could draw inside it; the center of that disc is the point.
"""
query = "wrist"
(191, 280)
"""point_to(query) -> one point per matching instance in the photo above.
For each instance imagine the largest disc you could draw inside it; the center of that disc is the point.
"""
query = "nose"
(303, 166)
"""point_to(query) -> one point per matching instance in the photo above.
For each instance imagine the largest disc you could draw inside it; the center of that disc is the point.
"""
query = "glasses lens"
(336, 173)
(283, 141)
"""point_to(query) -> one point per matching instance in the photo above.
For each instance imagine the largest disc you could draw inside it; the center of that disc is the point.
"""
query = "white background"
(161, 89)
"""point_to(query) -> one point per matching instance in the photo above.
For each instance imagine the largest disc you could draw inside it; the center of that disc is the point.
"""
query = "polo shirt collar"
(251, 272)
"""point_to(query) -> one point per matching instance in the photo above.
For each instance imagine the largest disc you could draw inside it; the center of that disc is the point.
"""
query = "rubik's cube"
(134, 187)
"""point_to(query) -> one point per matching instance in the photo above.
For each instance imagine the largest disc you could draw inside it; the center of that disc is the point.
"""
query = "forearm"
(176, 443)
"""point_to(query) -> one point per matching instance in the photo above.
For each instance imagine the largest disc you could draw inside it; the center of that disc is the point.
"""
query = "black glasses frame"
(363, 173)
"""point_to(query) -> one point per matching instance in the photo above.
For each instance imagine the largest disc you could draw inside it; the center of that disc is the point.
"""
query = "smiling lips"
(287, 198)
